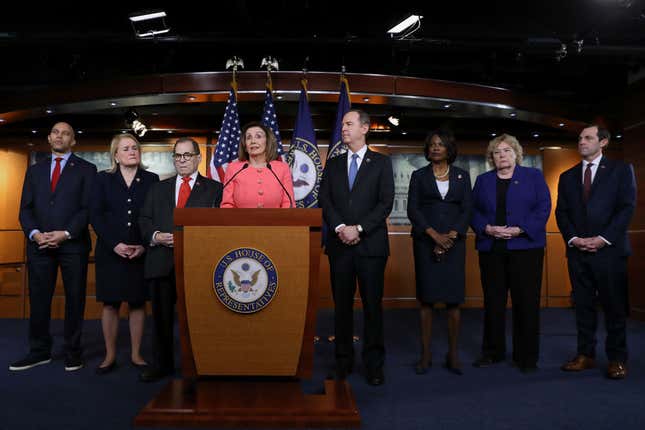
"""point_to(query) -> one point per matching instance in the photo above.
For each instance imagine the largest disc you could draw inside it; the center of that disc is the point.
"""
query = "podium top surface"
(248, 217)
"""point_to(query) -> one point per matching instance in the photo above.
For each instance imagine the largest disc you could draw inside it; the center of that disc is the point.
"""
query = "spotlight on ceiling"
(132, 120)
(149, 23)
(406, 28)
(394, 120)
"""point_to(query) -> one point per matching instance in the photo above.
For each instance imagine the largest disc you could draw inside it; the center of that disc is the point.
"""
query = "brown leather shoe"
(616, 370)
(581, 362)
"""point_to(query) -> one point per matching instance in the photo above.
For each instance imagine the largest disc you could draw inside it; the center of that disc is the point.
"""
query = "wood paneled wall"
(400, 286)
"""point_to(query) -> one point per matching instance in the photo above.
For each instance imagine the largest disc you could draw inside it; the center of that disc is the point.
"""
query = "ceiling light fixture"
(149, 23)
(394, 120)
(406, 28)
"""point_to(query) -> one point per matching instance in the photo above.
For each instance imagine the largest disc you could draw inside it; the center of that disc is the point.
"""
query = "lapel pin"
(602, 166)
(138, 180)
(196, 183)
(367, 160)
(71, 164)
(517, 182)
(459, 176)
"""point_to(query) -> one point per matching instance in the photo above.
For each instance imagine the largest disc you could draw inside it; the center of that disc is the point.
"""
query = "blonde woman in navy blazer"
(511, 207)
(439, 208)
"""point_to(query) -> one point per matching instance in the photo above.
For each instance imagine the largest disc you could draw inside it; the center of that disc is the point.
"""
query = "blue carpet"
(499, 397)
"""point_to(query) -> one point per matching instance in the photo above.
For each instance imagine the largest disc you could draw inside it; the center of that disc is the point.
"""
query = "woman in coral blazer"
(259, 179)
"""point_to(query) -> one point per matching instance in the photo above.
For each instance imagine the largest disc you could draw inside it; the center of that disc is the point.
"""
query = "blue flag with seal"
(336, 145)
(304, 158)
(270, 119)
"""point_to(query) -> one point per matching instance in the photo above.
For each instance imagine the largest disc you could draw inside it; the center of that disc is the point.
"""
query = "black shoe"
(485, 361)
(453, 367)
(421, 368)
(29, 361)
(375, 377)
(139, 366)
(105, 369)
(153, 375)
(73, 363)
(529, 368)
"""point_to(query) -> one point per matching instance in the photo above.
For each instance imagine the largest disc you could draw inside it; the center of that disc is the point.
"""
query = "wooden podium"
(247, 290)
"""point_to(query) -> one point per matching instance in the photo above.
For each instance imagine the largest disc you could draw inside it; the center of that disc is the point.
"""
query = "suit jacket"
(426, 208)
(67, 208)
(114, 209)
(608, 211)
(528, 205)
(368, 204)
(157, 215)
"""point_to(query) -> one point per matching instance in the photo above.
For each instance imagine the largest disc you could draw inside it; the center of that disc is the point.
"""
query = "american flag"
(228, 142)
(270, 119)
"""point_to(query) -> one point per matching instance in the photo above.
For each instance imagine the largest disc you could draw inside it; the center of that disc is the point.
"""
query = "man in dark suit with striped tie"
(356, 196)
(187, 189)
(596, 200)
(54, 212)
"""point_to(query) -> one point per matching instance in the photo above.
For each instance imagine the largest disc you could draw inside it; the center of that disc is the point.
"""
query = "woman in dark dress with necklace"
(439, 207)
(118, 194)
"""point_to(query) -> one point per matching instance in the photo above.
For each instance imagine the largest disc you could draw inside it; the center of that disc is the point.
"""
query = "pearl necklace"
(442, 175)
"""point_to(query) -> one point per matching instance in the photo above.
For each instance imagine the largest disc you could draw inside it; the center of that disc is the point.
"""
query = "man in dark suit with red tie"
(596, 200)
(187, 189)
(356, 196)
(54, 211)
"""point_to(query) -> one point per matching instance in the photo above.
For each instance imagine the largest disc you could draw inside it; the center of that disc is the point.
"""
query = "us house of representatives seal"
(245, 280)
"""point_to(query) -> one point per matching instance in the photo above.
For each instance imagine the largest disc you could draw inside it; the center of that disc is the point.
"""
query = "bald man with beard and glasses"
(54, 213)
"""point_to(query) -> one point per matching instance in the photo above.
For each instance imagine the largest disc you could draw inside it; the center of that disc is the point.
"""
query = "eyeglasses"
(185, 156)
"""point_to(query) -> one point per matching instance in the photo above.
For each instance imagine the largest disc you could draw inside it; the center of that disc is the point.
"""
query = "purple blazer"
(528, 205)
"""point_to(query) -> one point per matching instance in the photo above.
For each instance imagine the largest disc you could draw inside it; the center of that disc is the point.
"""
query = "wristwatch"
(359, 228)
(67, 235)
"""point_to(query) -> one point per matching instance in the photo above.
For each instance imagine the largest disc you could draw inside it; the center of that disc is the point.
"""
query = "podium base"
(207, 403)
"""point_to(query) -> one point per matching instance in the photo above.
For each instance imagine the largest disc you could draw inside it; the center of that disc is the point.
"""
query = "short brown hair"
(271, 150)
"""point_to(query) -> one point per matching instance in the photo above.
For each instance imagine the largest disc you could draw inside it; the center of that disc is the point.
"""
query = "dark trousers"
(163, 297)
(345, 269)
(600, 277)
(43, 267)
(519, 271)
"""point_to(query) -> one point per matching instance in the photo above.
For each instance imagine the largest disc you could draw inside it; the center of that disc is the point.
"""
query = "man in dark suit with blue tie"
(187, 189)
(356, 196)
(54, 212)
(596, 200)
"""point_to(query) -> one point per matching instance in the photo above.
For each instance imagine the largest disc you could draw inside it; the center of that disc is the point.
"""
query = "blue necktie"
(353, 170)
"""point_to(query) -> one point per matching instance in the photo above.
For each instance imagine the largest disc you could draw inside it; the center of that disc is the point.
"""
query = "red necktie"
(586, 183)
(56, 174)
(184, 192)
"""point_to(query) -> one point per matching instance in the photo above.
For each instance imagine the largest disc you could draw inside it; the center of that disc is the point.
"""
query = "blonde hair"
(510, 141)
(114, 146)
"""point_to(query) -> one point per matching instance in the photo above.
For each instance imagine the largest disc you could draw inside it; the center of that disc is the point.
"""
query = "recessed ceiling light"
(561, 124)
(49, 111)
(536, 134)
(34, 131)
(30, 144)
(124, 131)
(493, 134)
(169, 131)
(366, 99)
(112, 104)
(446, 106)
(79, 131)
(192, 98)
(513, 114)
(619, 136)
(2, 120)
(278, 97)
(404, 133)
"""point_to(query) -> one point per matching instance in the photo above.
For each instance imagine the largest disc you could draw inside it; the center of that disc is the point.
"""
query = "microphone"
(236, 173)
(281, 184)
